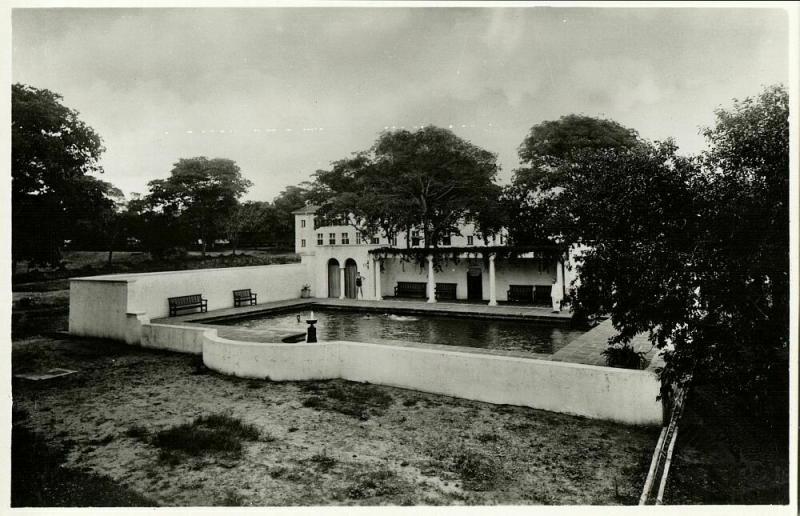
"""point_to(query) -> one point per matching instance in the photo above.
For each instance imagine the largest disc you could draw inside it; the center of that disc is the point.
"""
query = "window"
(303, 223)
(345, 238)
(502, 240)
(303, 242)
(446, 240)
(332, 238)
(470, 240)
(320, 238)
(394, 241)
(415, 239)
(376, 240)
(358, 238)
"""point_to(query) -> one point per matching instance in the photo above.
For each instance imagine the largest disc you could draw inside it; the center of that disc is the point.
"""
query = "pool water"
(357, 326)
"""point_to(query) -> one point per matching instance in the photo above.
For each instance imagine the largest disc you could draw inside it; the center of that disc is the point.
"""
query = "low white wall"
(149, 292)
(298, 361)
(185, 339)
(621, 395)
(98, 308)
(101, 306)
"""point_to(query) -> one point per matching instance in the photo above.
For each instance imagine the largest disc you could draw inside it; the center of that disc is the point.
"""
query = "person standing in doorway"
(359, 290)
(557, 295)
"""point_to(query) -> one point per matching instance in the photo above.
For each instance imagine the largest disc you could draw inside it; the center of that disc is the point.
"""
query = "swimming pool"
(496, 334)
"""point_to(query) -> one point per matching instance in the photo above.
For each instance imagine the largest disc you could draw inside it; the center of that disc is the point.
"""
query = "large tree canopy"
(530, 200)
(693, 250)
(202, 193)
(429, 179)
(52, 153)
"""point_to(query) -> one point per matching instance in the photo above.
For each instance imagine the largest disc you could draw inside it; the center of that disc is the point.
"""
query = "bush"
(624, 356)
(215, 433)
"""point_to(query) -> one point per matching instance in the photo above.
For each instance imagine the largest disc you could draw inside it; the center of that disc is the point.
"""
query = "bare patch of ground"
(317, 443)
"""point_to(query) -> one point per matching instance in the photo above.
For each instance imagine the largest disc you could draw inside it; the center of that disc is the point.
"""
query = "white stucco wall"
(621, 395)
(99, 306)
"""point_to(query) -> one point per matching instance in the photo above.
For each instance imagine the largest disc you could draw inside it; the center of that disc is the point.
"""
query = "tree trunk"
(110, 253)
(203, 250)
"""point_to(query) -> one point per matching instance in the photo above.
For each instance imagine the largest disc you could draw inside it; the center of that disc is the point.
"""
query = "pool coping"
(584, 349)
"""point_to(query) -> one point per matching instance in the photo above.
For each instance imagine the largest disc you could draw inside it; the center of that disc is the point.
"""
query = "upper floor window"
(332, 238)
(376, 240)
(303, 242)
(415, 239)
(358, 238)
(394, 241)
(345, 238)
(320, 238)
(303, 223)
(470, 240)
(446, 240)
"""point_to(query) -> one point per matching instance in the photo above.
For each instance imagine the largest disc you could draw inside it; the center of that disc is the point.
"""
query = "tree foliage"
(692, 250)
(201, 195)
(531, 199)
(429, 179)
(52, 154)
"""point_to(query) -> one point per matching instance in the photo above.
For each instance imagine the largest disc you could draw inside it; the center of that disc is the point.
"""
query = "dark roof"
(306, 209)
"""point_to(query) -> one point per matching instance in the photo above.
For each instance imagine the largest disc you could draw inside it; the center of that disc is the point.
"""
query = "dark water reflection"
(478, 333)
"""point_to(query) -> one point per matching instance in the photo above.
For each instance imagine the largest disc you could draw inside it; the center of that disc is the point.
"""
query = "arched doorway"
(350, 273)
(333, 278)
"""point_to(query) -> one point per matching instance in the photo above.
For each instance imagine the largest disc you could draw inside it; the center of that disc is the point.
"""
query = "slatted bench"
(542, 294)
(411, 289)
(244, 296)
(520, 294)
(191, 302)
(445, 290)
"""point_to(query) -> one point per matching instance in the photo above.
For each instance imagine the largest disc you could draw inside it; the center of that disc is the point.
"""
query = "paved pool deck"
(585, 349)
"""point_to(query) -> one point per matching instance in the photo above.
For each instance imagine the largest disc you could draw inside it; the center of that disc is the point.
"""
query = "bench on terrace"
(445, 290)
(191, 302)
(411, 289)
(520, 294)
(542, 294)
(242, 296)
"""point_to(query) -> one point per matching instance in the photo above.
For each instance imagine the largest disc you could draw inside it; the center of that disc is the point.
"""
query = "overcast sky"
(284, 92)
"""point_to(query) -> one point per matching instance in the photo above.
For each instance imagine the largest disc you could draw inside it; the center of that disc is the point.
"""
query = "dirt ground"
(322, 443)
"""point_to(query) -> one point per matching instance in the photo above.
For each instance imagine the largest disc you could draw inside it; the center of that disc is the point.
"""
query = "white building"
(465, 267)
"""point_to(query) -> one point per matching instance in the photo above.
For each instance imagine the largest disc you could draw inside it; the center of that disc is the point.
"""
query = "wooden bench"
(542, 295)
(243, 296)
(520, 294)
(411, 289)
(446, 290)
(191, 302)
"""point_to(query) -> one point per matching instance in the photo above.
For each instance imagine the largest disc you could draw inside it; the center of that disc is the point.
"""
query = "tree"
(532, 196)
(694, 251)
(202, 193)
(52, 153)
(290, 199)
(99, 220)
(428, 179)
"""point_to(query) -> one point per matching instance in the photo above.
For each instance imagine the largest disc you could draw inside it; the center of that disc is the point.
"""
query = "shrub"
(137, 432)
(215, 433)
(623, 355)
(478, 471)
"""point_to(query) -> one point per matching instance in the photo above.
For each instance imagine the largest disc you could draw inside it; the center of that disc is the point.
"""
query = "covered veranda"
(486, 275)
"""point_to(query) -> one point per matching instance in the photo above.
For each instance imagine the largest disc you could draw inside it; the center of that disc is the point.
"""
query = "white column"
(376, 267)
(431, 281)
(492, 293)
(341, 282)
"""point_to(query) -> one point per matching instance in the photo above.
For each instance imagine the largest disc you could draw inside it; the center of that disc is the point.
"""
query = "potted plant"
(305, 291)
